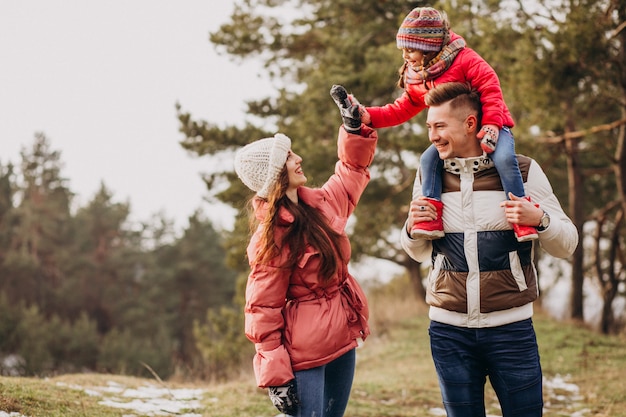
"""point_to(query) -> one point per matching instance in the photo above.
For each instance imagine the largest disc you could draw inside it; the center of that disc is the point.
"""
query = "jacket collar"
(468, 165)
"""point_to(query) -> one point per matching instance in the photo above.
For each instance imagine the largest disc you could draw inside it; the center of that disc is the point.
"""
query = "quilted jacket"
(294, 321)
(468, 66)
(480, 275)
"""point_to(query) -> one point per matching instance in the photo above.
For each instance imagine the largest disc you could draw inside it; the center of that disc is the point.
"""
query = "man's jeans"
(324, 391)
(508, 354)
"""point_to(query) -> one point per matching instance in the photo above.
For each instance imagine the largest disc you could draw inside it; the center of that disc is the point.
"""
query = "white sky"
(101, 79)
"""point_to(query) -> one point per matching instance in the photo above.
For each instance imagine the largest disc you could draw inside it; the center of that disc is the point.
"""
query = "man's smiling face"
(453, 132)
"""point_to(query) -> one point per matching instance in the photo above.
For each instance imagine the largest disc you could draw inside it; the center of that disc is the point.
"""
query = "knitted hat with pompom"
(258, 164)
(424, 29)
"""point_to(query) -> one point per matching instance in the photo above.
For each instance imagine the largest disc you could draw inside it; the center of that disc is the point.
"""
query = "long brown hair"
(310, 227)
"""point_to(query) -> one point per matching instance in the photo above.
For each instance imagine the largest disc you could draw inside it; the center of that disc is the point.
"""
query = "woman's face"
(413, 57)
(294, 171)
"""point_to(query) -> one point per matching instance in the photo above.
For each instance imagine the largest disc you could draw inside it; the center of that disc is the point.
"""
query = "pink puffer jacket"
(294, 322)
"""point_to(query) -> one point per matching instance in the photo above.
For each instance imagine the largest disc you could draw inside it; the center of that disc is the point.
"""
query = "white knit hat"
(259, 163)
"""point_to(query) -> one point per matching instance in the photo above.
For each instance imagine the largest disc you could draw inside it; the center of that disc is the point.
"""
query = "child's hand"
(365, 116)
(488, 137)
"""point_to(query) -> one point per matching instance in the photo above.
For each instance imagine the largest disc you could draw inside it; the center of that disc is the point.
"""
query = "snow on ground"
(147, 400)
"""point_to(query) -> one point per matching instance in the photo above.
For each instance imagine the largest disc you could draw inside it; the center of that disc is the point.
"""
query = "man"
(483, 282)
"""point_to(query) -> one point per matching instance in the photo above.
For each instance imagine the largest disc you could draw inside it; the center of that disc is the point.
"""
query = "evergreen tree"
(193, 280)
(321, 44)
(38, 228)
(7, 194)
(101, 266)
(561, 67)
(564, 67)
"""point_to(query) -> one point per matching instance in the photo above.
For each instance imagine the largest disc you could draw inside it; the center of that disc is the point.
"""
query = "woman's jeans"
(508, 354)
(324, 391)
(503, 158)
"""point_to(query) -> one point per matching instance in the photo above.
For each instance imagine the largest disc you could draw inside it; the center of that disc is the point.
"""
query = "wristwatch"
(544, 222)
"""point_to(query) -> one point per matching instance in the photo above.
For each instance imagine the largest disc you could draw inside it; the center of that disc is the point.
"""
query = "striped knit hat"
(258, 164)
(423, 29)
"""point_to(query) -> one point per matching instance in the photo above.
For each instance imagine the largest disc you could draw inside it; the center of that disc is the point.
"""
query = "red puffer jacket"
(468, 66)
(294, 322)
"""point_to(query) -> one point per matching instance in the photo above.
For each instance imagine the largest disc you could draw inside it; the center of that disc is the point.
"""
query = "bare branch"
(582, 133)
(618, 29)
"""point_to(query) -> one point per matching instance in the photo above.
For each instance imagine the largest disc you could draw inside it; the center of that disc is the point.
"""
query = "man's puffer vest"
(481, 275)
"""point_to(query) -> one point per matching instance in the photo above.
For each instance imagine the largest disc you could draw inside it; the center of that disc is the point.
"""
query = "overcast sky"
(101, 80)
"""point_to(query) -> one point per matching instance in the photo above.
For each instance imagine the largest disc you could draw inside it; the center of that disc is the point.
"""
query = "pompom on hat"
(258, 164)
(423, 29)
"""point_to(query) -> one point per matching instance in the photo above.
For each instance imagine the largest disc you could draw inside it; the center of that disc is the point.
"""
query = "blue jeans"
(503, 158)
(508, 354)
(324, 391)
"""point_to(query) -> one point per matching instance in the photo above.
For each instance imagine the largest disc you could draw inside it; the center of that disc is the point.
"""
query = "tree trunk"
(575, 181)
(414, 269)
(610, 289)
(610, 283)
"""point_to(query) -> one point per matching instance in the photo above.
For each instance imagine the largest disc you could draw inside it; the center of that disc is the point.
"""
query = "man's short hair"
(460, 95)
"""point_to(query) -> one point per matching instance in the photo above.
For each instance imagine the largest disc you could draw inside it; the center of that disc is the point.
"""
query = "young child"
(434, 55)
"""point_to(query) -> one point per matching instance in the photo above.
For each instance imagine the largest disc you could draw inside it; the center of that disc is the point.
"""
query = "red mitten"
(488, 137)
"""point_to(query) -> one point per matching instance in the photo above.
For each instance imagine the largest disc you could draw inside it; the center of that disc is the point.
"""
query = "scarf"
(437, 66)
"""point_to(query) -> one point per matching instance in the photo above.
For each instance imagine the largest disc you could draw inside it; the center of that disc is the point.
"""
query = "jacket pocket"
(308, 255)
(517, 271)
(434, 271)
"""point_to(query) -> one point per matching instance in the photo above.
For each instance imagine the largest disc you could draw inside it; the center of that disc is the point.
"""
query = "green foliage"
(72, 346)
(123, 353)
(44, 346)
(91, 291)
(88, 289)
(8, 325)
(222, 343)
(34, 339)
(556, 73)
(220, 338)
(321, 43)
(561, 68)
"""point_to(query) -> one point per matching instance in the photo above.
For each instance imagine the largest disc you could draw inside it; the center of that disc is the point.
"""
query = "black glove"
(285, 398)
(349, 112)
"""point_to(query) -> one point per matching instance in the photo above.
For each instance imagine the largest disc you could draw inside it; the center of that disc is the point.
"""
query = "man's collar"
(468, 165)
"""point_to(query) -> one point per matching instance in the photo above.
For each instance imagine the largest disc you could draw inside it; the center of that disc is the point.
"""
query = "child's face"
(413, 57)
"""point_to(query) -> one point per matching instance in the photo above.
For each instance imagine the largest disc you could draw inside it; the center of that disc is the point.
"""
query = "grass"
(37, 397)
(394, 378)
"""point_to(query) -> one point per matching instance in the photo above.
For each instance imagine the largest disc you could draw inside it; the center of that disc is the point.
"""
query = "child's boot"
(432, 229)
(525, 233)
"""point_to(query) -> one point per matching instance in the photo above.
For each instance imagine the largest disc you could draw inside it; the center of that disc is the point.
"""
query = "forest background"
(84, 288)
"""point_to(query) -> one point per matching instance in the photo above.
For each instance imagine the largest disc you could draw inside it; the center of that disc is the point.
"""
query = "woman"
(304, 312)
